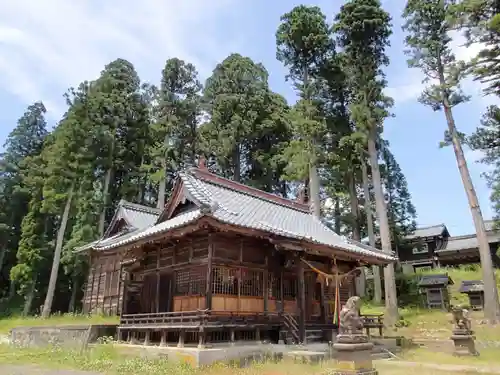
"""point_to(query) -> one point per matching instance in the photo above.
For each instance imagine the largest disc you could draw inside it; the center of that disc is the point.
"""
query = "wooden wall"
(103, 290)
(247, 276)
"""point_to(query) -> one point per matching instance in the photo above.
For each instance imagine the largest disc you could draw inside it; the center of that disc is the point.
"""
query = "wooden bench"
(373, 321)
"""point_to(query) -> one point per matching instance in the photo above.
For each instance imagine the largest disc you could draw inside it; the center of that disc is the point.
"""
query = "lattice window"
(289, 287)
(225, 281)
(182, 283)
(274, 286)
(251, 283)
(190, 282)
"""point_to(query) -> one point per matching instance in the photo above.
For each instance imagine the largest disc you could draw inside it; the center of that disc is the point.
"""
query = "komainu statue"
(350, 321)
(461, 319)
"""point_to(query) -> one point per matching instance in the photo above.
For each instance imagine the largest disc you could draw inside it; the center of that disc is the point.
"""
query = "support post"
(231, 336)
(301, 303)
(201, 338)
(208, 291)
(322, 304)
(182, 337)
(265, 280)
(163, 341)
(147, 338)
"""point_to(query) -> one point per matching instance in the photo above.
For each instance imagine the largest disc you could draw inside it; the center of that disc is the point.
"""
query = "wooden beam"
(301, 303)
(208, 290)
(265, 280)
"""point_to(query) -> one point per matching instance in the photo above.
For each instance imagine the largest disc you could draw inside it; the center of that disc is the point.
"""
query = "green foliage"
(486, 139)
(429, 47)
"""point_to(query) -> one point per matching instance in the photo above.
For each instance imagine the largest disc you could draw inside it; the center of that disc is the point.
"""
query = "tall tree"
(480, 19)
(428, 26)
(22, 144)
(248, 122)
(303, 42)
(401, 211)
(363, 29)
(68, 157)
(486, 138)
(174, 132)
(118, 115)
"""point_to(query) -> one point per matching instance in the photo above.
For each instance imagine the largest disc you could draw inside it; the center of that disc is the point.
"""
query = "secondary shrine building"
(222, 262)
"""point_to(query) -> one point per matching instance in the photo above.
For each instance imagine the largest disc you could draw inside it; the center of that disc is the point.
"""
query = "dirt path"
(32, 370)
(441, 366)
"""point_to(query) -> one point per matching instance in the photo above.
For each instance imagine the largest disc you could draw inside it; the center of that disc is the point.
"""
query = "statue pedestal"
(463, 340)
(353, 355)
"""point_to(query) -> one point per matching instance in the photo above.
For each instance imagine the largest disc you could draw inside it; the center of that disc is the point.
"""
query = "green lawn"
(6, 324)
(107, 360)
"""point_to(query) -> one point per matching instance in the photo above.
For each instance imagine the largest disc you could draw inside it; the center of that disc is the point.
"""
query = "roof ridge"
(461, 237)
(139, 207)
(248, 190)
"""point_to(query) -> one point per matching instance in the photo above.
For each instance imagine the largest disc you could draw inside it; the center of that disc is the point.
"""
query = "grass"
(487, 357)
(107, 360)
(6, 324)
(423, 323)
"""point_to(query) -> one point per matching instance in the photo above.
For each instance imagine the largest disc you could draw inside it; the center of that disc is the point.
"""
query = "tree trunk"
(161, 190)
(105, 193)
(237, 163)
(28, 302)
(12, 289)
(491, 302)
(356, 231)
(314, 191)
(47, 306)
(353, 198)
(336, 215)
(74, 292)
(3, 253)
(377, 282)
(391, 299)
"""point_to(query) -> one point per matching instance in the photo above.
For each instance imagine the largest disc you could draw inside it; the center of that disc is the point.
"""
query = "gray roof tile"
(431, 280)
(254, 211)
(434, 230)
(468, 286)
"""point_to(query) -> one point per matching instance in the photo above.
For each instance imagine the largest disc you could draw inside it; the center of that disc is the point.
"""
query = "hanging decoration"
(337, 279)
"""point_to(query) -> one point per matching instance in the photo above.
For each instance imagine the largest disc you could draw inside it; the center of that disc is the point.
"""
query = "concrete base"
(464, 345)
(353, 358)
(64, 335)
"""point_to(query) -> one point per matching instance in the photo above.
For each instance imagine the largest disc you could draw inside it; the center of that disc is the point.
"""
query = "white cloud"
(48, 46)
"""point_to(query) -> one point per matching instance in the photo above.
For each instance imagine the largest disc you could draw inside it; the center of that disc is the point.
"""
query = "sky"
(48, 46)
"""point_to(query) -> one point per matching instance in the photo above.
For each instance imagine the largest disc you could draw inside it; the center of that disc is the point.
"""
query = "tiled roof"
(137, 217)
(431, 280)
(468, 286)
(434, 230)
(466, 242)
(235, 204)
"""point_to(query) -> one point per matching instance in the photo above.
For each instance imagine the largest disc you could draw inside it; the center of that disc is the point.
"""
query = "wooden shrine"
(435, 290)
(475, 291)
(225, 262)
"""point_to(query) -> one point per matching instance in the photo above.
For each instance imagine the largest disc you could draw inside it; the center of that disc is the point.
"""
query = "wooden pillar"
(322, 304)
(282, 294)
(201, 338)
(231, 336)
(157, 302)
(265, 280)
(147, 340)
(120, 291)
(163, 341)
(301, 302)
(208, 291)
(182, 335)
(99, 286)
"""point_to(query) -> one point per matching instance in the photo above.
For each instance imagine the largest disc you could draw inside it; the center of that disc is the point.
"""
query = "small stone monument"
(353, 349)
(462, 334)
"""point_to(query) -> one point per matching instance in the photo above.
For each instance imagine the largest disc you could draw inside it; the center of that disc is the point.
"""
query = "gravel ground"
(32, 370)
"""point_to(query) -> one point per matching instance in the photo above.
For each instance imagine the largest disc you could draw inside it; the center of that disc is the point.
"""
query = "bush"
(408, 291)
